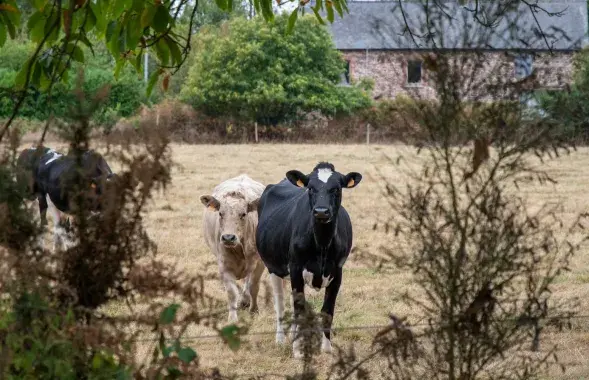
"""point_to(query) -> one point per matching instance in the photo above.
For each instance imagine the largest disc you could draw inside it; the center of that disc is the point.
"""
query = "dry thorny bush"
(113, 258)
(483, 261)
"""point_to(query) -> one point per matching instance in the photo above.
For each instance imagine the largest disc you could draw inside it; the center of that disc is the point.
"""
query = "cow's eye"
(242, 215)
(221, 215)
(333, 191)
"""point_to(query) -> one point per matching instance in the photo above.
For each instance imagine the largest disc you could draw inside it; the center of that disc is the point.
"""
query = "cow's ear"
(253, 205)
(351, 179)
(297, 178)
(210, 202)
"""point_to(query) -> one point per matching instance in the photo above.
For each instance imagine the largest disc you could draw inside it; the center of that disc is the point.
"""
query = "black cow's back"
(279, 205)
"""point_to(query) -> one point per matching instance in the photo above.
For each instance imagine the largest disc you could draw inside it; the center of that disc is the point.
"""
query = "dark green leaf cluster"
(255, 71)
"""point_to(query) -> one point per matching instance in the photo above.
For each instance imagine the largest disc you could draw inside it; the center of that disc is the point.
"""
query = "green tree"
(252, 70)
(570, 109)
(59, 28)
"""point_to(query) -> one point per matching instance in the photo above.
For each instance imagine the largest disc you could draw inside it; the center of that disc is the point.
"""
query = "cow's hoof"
(326, 345)
(233, 317)
(254, 309)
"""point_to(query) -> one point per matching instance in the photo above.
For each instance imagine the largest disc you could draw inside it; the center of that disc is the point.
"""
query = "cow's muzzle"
(229, 240)
(322, 214)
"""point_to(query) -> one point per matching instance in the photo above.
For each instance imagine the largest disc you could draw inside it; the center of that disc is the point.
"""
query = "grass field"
(366, 296)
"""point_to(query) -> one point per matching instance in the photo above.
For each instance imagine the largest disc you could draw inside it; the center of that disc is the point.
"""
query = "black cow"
(49, 177)
(304, 231)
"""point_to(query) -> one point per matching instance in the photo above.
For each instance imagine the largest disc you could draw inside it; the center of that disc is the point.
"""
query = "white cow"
(230, 219)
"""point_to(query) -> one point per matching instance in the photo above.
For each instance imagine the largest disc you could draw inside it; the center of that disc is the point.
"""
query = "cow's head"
(100, 174)
(324, 187)
(233, 213)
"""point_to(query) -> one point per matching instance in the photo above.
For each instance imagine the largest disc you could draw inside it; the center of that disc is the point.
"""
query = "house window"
(523, 65)
(414, 71)
(347, 72)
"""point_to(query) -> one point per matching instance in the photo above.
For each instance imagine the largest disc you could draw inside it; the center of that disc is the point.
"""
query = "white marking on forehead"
(323, 174)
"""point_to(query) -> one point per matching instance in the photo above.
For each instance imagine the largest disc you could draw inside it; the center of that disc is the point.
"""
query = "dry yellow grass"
(366, 297)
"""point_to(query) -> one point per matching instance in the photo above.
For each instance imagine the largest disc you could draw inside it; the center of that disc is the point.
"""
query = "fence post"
(157, 117)
(256, 130)
(367, 133)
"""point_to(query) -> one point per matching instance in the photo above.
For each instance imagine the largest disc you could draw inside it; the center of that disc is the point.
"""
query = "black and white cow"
(49, 177)
(304, 231)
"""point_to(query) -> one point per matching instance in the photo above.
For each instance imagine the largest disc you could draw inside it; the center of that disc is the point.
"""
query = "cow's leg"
(43, 215)
(298, 292)
(252, 285)
(278, 292)
(232, 289)
(328, 309)
(58, 233)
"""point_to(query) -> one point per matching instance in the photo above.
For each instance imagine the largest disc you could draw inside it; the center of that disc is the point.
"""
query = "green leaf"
(338, 8)
(82, 37)
(39, 4)
(229, 5)
(230, 335)
(169, 313)
(21, 77)
(37, 30)
(174, 372)
(187, 355)
(161, 19)
(36, 77)
(51, 29)
(97, 361)
(292, 19)
(166, 351)
(137, 61)
(2, 34)
(174, 50)
(222, 4)
(11, 28)
(147, 16)
(133, 32)
(345, 6)
(257, 6)
(118, 67)
(330, 15)
(120, 6)
(77, 53)
(267, 10)
(113, 34)
(177, 345)
(319, 18)
(110, 29)
(90, 20)
(101, 24)
(45, 80)
(163, 52)
(34, 19)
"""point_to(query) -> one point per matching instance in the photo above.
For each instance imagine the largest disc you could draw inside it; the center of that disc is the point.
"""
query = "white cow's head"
(232, 210)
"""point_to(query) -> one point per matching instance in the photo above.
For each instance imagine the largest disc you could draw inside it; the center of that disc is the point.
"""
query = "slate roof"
(381, 25)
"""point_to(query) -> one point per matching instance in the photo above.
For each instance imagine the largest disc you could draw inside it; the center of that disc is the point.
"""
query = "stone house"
(386, 41)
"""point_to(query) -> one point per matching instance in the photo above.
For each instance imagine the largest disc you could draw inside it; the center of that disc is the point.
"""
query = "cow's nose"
(321, 212)
(228, 238)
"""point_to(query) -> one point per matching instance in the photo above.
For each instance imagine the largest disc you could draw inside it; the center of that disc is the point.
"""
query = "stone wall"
(483, 73)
